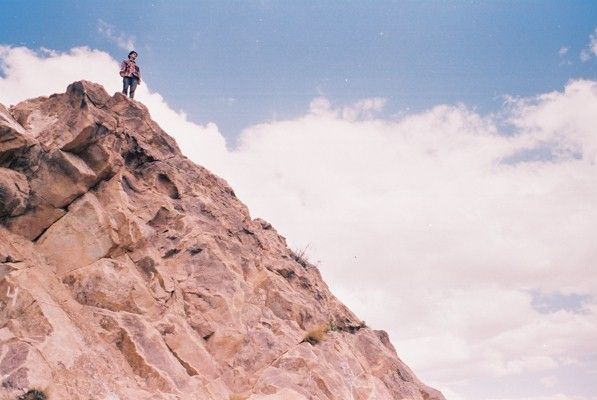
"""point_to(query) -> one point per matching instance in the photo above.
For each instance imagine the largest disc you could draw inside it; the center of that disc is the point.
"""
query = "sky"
(437, 160)
(243, 62)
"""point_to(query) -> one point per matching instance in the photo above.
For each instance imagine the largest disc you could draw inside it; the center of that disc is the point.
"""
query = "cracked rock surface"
(129, 272)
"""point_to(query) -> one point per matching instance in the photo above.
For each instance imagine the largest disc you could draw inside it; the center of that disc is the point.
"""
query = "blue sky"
(240, 62)
(464, 230)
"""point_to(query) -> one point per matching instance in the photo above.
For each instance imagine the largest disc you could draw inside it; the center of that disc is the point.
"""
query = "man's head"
(133, 55)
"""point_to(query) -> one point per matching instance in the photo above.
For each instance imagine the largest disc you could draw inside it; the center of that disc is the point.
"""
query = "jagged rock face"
(128, 272)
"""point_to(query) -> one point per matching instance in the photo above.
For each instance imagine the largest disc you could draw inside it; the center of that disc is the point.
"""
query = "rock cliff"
(129, 272)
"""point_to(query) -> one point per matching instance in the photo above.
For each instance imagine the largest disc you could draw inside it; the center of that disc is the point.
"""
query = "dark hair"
(133, 52)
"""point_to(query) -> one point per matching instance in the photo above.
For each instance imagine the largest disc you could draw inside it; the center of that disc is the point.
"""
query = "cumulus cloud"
(549, 381)
(591, 49)
(439, 226)
(122, 40)
(28, 73)
(563, 51)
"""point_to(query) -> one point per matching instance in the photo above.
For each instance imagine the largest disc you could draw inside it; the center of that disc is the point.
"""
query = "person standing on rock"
(131, 74)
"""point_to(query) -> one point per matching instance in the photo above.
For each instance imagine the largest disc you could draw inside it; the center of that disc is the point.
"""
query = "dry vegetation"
(316, 335)
(300, 256)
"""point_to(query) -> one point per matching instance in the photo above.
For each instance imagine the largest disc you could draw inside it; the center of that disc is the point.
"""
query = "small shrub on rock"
(33, 394)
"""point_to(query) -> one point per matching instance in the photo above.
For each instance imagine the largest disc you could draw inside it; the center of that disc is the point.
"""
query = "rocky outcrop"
(128, 272)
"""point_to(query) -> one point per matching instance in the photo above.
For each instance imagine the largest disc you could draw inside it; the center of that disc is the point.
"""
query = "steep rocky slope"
(128, 272)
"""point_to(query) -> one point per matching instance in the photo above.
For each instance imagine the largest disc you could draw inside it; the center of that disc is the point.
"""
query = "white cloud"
(563, 51)
(591, 49)
(364, 109)
(549, 381)
(30, 74)
(122, 40)
(434, 226)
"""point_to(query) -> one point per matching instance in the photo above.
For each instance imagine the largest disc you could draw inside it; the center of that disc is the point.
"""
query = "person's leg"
(134, 82)
(126, 81)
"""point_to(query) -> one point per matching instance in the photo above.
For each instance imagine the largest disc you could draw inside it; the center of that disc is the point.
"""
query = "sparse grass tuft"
(300, 256)
(316, 335)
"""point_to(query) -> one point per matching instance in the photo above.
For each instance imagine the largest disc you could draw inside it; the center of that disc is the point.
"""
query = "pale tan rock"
(16, 251)
(128, 272)
(33, 223)
(284, 394)
(189, 348)
(150, 357)
(58, 120)
(82, 236)
(8, 125)
(14, 193)
(15, 141)
(110, 284)
(130, 228)
(12, 134)
(62, 178)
